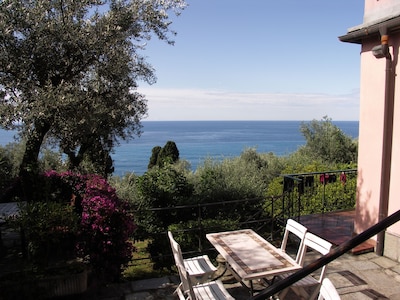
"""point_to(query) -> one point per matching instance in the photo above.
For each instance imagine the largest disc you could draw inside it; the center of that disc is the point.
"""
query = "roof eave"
(366, 31)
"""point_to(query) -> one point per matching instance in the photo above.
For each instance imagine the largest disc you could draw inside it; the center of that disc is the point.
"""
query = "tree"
(327, 142)
(160, 187)
(169, 154)
(169, 151)
(154, 156)
(69, 72)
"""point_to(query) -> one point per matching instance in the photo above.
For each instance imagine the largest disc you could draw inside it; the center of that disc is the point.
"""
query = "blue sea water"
(198, 140)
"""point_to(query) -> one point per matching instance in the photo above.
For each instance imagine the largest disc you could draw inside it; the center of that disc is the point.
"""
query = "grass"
(141, 266)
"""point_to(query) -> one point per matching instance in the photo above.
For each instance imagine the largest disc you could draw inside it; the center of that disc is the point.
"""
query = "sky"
(257, 60)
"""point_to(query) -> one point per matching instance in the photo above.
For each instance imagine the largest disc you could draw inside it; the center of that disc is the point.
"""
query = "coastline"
(198, 140)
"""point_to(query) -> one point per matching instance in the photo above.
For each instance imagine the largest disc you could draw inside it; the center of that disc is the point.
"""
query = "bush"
(106, 223)
(160, 188)
(188, 234)
(50, 230)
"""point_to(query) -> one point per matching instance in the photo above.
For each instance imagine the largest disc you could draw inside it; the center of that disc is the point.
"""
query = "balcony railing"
(332, 255)
(272, 212)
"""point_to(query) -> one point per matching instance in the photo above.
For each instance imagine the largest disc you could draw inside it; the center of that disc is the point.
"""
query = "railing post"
(200, 226)
(272, 218)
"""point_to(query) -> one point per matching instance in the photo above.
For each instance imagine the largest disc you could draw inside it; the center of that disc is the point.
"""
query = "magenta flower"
(106, 223)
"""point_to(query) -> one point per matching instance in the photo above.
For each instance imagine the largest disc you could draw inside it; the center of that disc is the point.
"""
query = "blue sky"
(257, 60)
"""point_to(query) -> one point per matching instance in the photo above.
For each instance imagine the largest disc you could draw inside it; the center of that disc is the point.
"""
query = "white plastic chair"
(328, 291)
(293, 227)
(213, 290)
(323, 247)
(200, 268)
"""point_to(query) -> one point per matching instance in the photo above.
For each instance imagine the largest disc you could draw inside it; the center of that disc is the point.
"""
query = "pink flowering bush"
(106, 223)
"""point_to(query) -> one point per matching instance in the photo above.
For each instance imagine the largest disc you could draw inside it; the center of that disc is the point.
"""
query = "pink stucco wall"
(372, 96)
(394, 200)
(380, 9)
(370, 137)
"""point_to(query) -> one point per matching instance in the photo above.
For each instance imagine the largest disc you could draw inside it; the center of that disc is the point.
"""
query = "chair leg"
(314, 294)
(283, 293)
(303, 294)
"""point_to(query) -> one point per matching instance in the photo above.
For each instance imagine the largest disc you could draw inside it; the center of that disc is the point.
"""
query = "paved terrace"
(366, 276)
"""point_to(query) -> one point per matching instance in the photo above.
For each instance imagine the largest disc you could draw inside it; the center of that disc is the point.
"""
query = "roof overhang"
(366, 31)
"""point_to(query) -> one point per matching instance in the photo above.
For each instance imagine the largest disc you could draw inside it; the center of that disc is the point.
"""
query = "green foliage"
(51, 160)
(125, 186)
(242, 177)
(189, 233)
(105, 223)
(50, 229)
(168, 154)
(10, 184)
(80, 214)
(247, 176)
(155, 152)
(171, 151)
(160, 188)
(70, 72)
(330, 196)
(326, 142)
(315, 198)
(11, 154)
(142, 267)
(253, 177)
(6, 169)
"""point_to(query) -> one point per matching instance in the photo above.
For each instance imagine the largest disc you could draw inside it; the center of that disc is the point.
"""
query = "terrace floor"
(336, 227)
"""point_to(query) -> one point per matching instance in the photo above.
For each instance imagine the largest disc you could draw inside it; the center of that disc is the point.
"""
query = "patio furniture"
(323, 247)
(213, 290)
(328, 291)
(297, 229)
(200, 268)
(250, 257)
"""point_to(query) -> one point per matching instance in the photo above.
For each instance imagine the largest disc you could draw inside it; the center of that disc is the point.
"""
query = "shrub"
(50, 229)
(106, 223)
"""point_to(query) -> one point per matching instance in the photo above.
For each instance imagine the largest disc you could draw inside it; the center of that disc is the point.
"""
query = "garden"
(110, 229)
(78, 226)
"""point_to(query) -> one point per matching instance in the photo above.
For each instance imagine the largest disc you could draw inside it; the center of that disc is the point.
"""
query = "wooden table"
(250, 256)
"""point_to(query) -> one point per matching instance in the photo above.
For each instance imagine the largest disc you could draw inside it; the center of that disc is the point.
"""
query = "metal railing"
(269, 220)
(298, 186)
(332, 255)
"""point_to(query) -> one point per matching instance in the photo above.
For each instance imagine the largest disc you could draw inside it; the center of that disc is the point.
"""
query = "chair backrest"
(328, 291)
(186, 285)
(300, 231)
(318, 244)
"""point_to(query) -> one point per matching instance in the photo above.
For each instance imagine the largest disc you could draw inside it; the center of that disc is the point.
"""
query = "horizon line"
(242, 120)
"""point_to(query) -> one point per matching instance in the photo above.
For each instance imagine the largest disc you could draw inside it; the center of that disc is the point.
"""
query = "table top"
(250, 255)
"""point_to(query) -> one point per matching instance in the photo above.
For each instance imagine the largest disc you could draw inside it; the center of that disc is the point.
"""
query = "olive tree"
(69, 72)
(327, 142)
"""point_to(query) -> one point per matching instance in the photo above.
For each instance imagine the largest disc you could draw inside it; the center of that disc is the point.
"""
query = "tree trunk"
(29, 167)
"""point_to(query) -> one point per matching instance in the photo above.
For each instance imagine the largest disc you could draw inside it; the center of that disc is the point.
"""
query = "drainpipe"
(382, 51)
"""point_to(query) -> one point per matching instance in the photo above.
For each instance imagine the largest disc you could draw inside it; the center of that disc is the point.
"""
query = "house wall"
(375, 10)
(392, 240)
(372, 87)
(372, 98)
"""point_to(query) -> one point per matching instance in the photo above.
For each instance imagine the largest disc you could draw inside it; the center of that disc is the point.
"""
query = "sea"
(200, 140)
